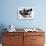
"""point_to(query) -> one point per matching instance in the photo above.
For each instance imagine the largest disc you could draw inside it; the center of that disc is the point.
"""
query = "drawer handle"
(33, 39)
(11, 38)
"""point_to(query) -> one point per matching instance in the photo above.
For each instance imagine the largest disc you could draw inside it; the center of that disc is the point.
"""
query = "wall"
(9, 13)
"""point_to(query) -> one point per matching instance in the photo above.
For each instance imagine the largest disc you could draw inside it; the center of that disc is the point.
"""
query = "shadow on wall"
(2, 26)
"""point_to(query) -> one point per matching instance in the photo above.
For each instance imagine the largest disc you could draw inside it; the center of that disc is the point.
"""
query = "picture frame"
(25, 13)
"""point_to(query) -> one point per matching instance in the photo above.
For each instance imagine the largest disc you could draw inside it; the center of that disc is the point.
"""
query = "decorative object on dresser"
(11, 28)
(23, 38)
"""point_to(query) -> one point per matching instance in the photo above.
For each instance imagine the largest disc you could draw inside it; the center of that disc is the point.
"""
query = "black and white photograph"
(25, 13)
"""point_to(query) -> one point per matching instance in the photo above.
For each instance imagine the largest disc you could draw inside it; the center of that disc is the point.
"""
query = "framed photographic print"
(25, 13)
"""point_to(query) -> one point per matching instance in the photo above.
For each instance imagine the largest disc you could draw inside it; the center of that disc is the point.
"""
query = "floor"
(0, 44)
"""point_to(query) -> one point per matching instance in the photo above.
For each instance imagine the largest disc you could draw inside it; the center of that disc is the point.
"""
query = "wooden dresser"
(23, 38)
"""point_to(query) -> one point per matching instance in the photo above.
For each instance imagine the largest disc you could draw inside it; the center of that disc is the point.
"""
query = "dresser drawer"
(12, 39)
(37, 44)
(13, 33)
(37, 39)
(34, 33)
(13, 44)
(27, 41)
